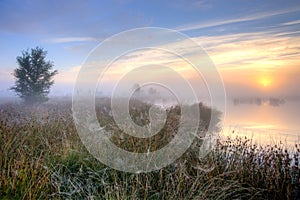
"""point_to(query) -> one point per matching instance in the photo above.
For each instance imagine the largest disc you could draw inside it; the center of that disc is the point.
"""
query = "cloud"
(67, 76)
(253, 51)
(70, 39)
(257, 16)
(242, 59)
(292, 22)
(246, 58)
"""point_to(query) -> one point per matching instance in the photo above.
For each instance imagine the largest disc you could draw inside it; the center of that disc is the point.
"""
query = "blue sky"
(69, 30)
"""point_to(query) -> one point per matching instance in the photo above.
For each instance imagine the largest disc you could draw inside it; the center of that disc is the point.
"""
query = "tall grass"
(41, 156)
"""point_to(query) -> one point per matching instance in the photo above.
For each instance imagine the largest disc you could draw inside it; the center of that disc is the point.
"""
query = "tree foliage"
(33, 76)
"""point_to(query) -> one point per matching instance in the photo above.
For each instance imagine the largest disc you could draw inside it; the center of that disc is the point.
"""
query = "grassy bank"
(41, 156)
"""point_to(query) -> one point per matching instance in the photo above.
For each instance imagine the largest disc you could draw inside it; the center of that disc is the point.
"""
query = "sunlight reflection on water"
(265, 124)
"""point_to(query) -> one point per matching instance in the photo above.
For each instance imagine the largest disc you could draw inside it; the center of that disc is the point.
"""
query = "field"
(41, 156)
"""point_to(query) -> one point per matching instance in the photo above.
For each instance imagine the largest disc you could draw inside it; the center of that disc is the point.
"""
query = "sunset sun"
(265, 82)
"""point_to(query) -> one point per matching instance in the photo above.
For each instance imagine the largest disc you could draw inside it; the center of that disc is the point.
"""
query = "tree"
(33, 76)
(136, 88)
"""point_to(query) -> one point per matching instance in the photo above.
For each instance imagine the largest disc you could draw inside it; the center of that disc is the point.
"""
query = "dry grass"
(41, 156)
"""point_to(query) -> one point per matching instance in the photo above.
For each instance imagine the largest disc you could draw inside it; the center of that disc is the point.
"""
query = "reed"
(41, 156)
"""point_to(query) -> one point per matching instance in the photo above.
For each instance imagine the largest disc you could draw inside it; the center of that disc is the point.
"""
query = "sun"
(265, 81)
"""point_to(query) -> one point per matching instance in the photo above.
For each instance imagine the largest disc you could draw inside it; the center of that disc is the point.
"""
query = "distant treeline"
(259, 101)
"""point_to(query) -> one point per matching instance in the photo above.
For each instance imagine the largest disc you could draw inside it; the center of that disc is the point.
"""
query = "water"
(265, 122)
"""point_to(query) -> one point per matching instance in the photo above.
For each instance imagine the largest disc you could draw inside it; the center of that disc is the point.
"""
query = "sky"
(255, 45)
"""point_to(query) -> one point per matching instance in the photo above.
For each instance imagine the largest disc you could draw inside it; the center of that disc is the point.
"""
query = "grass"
(41, 156)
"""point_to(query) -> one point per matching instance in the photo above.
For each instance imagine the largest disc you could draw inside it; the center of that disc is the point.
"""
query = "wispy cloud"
(257, 16)
(242, 59)
(261, 50)
(70, 39)
(292, 22)
(245, 59)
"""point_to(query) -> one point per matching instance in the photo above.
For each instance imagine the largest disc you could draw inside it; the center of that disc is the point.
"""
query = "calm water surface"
(265, 123)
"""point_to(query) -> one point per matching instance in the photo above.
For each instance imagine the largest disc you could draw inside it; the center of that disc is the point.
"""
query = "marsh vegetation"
(41, 156)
